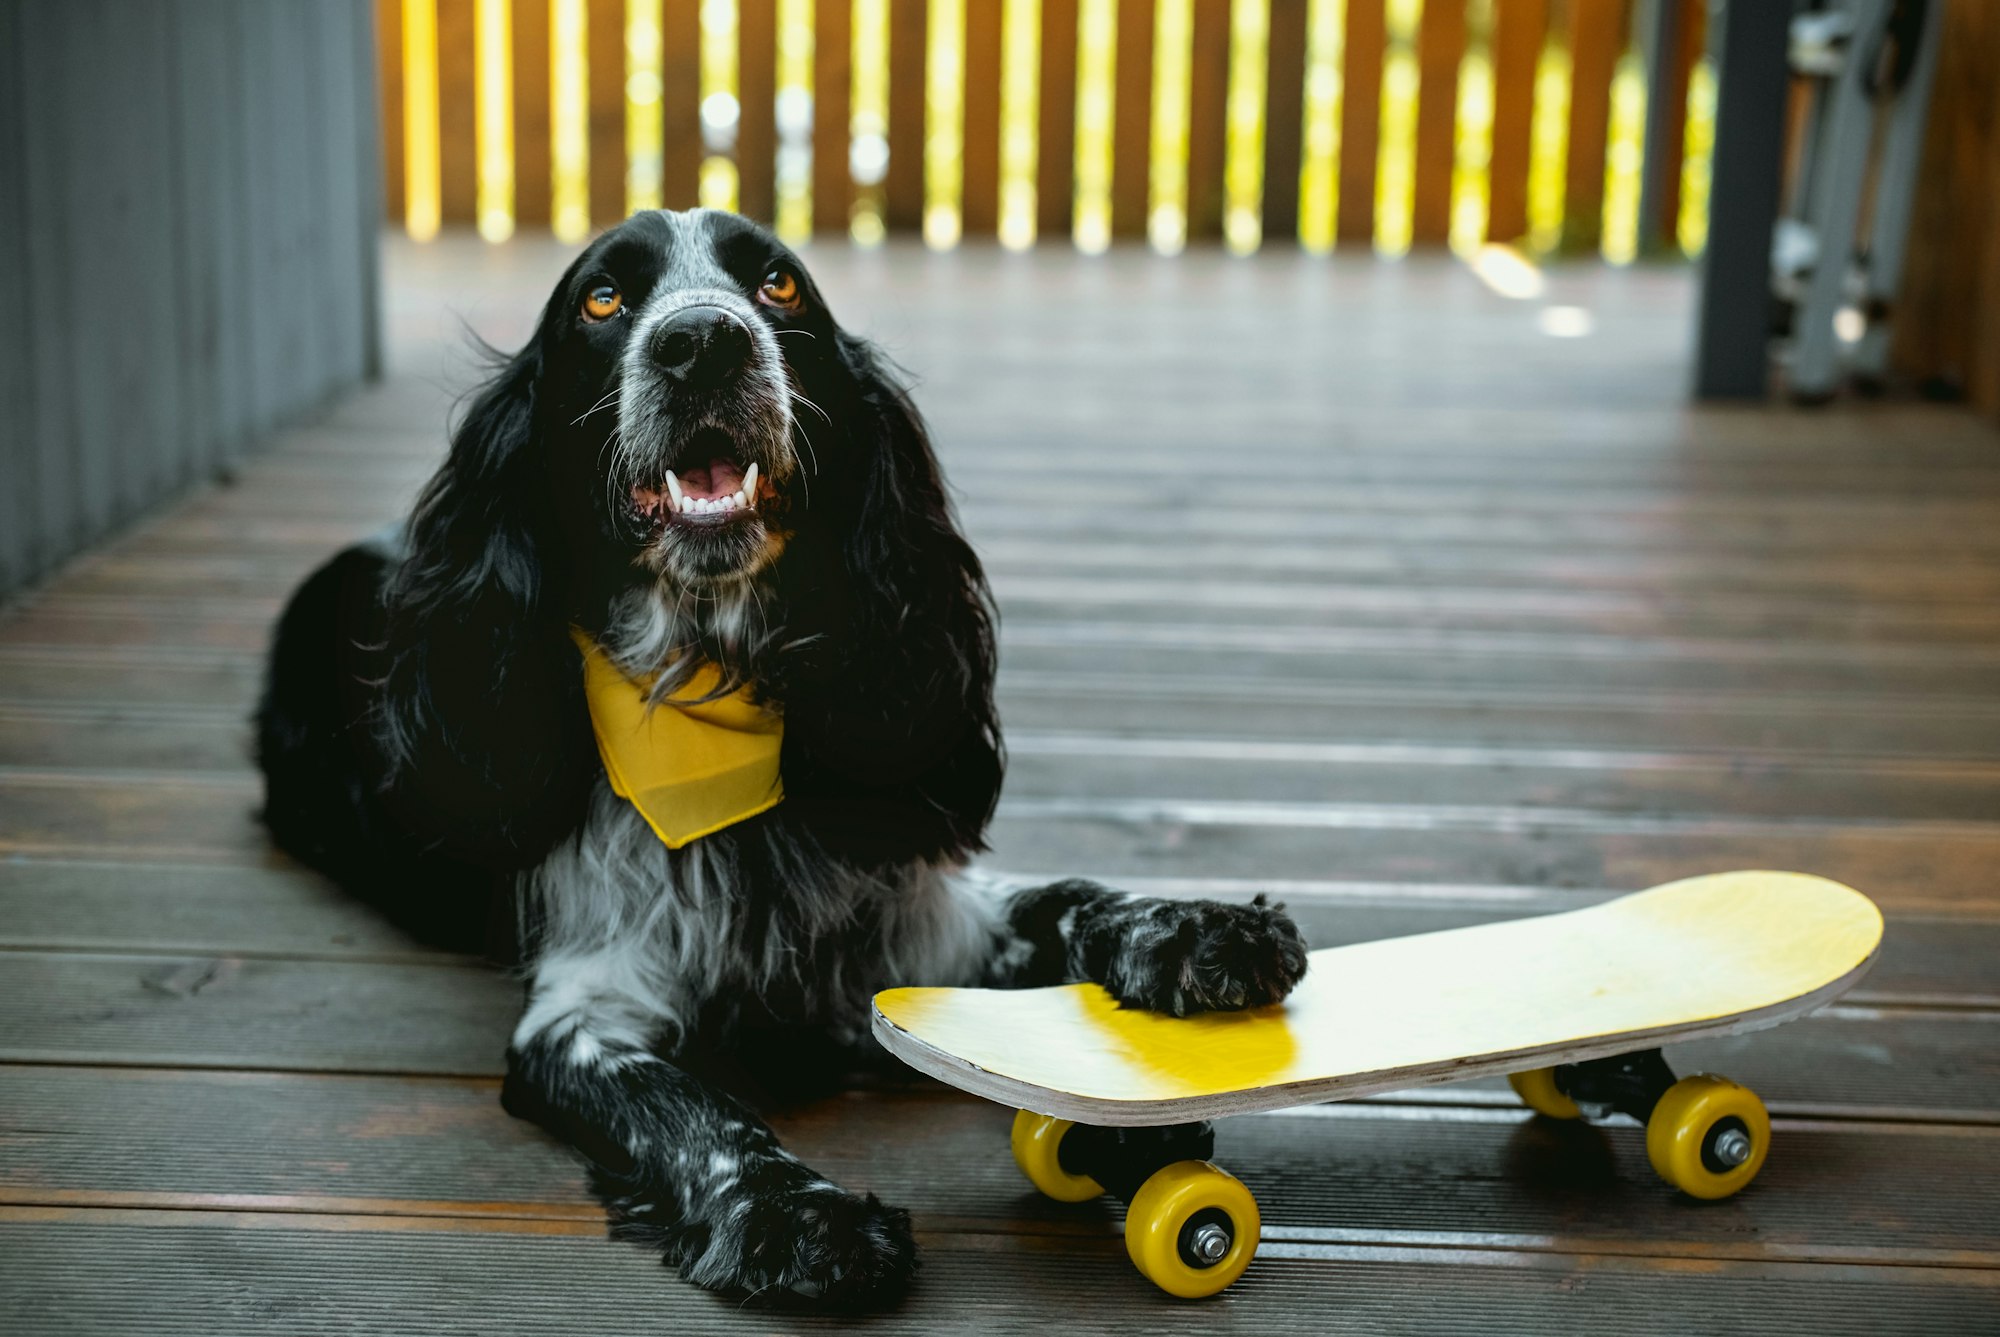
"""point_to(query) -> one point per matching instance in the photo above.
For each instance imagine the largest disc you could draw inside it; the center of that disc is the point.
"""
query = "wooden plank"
(1132, 119)
(833, 61)
(1519, 29)
(334, 135)
(1360, 119)
(453, 1020)
(389, 84)
(903, 188)
(680, 104)
(1931, 867)
(1440, 48)
(1596, 39)
(1689, 26)
(1945, 336)
(757, 126)
(220, 1274)
(980, 203)
(1208, 115)
(1284, 121)
(139, 1138)
(605, 48)
(534, 191)
(85, 905)
(458, 113)
(1055, 161)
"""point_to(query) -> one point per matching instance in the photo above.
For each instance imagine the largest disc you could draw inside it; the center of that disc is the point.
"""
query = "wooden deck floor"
(1339, 579)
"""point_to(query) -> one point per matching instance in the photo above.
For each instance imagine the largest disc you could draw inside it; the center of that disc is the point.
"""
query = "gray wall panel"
(187, 243)
(20, 465)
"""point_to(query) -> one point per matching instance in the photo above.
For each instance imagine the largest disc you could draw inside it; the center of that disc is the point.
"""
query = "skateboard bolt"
(1208, 1244)
(1732, 1148)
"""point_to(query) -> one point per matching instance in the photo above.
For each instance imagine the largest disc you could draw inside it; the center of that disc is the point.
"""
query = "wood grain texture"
(980, 199)
(533, 164)
(1440, 49)
(757, 128)
(1519, 29)
(1597, 33)
(1360, 120)
(458, 148)
(1208, 114)
(1132, 119)
(833, 73)
(1284, 121)
(909, 53)
(1947, 333)
(1055, 160)
(680, 103)
(605, 50)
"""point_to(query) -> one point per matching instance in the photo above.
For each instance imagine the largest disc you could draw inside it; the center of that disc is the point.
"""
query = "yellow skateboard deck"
(1705, 957)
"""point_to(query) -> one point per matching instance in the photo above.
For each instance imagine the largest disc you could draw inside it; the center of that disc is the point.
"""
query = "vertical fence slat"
(757, 124)
(680, 103)
(1690, 37)
(1360, 119)
(1284, 120)
(903, 189)
(1132, 118)
(1596, 36)
(389, 49)
(458, 153)
(605, 50)
(1440, 48)
(1055, 158)
(1208, 116)
(1519, 28)
(980, 208)
(533, 191)
(833, 92)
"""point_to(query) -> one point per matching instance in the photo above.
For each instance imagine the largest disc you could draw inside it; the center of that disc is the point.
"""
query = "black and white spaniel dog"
(691, 464)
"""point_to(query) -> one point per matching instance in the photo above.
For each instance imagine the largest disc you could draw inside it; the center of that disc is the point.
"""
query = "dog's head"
(691, 460)
(676, 356)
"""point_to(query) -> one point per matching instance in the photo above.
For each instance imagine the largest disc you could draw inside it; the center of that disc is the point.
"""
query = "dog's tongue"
(718, 478)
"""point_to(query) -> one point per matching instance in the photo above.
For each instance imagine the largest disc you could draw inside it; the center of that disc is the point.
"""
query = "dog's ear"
(899, 744)
(473, 715)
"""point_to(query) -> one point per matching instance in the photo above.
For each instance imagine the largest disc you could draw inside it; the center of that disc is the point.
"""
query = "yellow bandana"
(690, 768)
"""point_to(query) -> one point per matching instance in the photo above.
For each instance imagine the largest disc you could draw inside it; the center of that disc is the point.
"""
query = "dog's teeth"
(674, 491)
(749, 492)
(740, 500)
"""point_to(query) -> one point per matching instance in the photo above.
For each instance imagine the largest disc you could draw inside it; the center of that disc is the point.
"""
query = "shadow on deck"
(1340, 578)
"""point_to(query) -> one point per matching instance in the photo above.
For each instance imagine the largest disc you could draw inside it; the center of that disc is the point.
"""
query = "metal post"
(1733, 325)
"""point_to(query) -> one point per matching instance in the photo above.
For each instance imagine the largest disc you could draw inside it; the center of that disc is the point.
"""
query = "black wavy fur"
(425, 741)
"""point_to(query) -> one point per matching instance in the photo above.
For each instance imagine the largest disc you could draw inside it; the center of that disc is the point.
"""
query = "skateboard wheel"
(1037, 1143)
(1538, 1091)
(1192, 1229)
(1708, 1136)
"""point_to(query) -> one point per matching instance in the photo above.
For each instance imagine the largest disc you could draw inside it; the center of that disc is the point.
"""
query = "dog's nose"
(701, 345)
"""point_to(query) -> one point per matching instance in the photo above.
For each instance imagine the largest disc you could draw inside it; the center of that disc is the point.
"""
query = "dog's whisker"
(609, 396)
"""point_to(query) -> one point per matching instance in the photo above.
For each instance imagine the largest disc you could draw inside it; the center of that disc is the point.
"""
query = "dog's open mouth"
(710, 487)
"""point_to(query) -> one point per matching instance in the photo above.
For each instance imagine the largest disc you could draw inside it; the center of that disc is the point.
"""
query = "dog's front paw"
(791, 1236)
(1184, 957)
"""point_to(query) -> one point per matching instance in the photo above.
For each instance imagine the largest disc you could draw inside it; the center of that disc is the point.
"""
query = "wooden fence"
(1384, 122)
(189, 218)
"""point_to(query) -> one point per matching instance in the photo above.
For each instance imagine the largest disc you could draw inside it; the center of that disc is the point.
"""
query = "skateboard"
(1572, 1007)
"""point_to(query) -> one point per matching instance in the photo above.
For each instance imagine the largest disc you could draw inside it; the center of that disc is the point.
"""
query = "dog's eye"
(780, 288)
(602, 302)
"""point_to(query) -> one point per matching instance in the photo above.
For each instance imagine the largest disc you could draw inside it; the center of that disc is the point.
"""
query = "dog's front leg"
(1177, 956)
(684, 1168)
